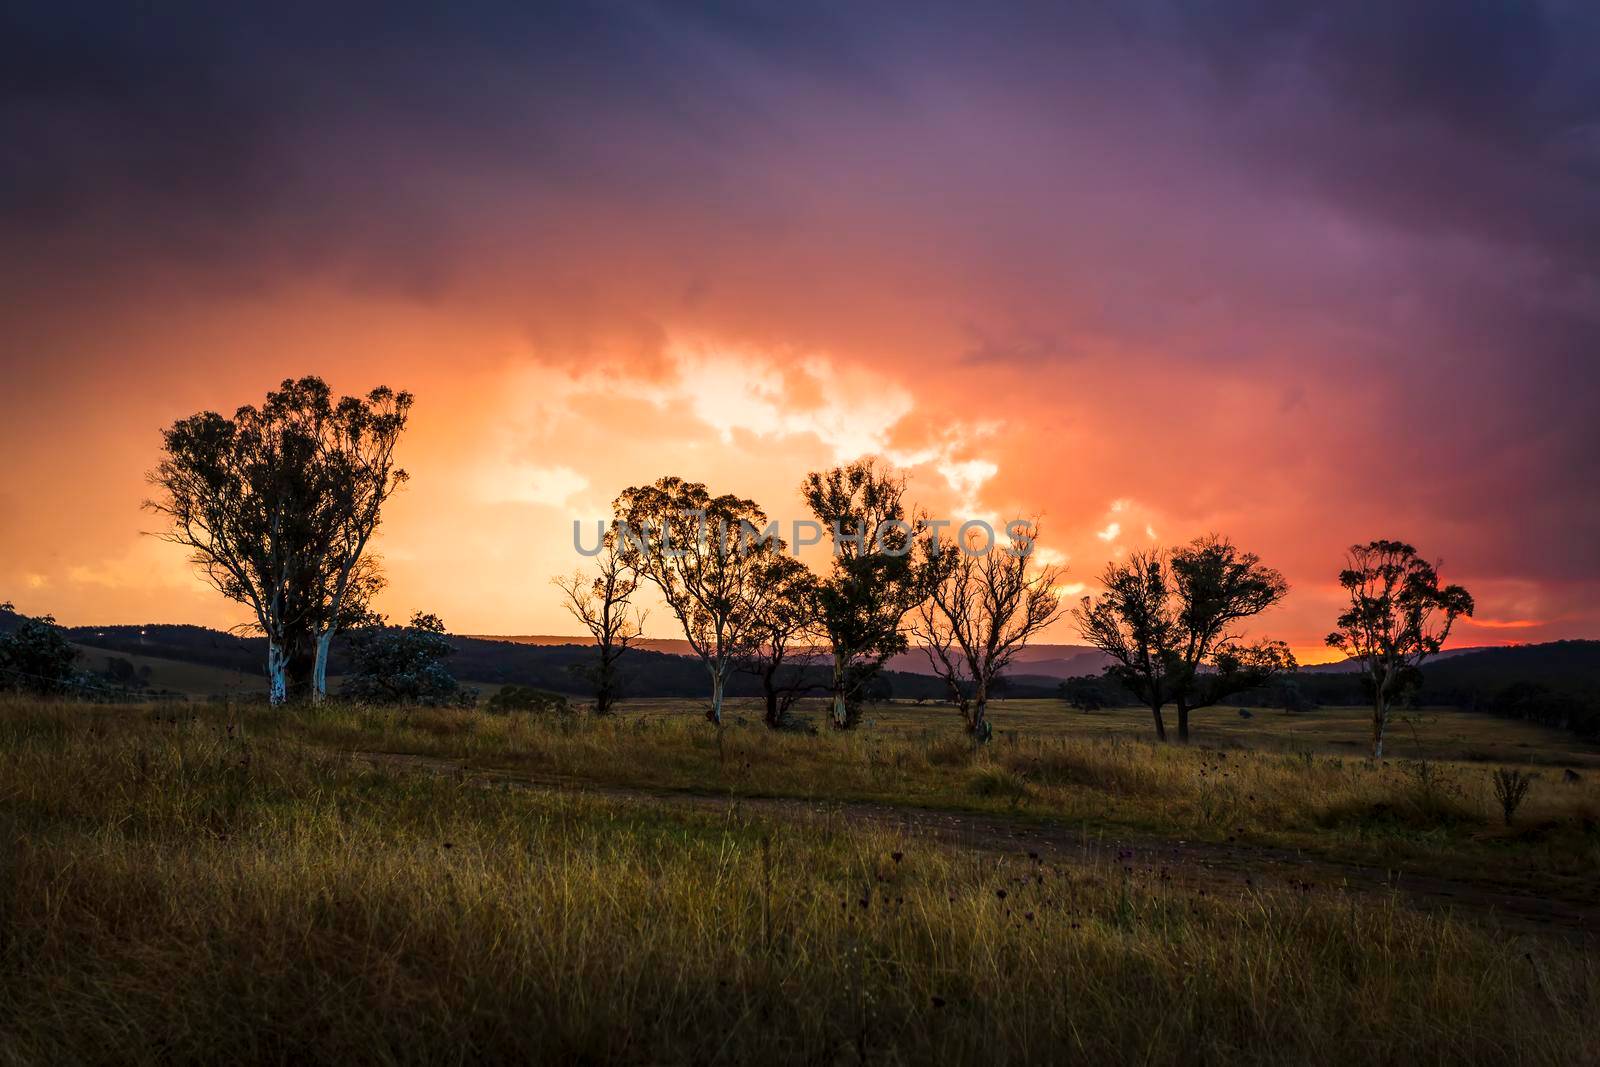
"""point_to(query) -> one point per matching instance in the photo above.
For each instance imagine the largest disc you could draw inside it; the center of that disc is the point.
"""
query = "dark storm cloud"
(1477, 117)
(1472, 116)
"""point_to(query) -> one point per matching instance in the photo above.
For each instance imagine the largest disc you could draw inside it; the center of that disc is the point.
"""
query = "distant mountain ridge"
(237, 663)
(1350, 666)
(1047, 661)
(662, 667)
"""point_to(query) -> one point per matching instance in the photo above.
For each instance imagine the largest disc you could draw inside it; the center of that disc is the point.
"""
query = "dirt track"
(1190, 864)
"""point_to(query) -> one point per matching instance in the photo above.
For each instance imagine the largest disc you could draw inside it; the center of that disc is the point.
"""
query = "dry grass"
(1437, 815)
(172, 892)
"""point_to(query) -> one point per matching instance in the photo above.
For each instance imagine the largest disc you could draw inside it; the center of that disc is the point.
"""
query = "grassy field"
(179, 888)
(1298, 785)
(194, 679)
(1434, 733)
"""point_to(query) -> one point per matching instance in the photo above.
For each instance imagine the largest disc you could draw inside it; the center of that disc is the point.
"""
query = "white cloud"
(965, 478)
(730, 390)
(1049, 557)
(1110, 532)
(518, 483)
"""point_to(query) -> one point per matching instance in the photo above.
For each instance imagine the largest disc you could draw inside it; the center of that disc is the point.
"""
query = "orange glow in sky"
(1140, 287)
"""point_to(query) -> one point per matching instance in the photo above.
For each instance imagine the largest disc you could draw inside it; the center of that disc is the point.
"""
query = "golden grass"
(172, 892)
(1434, 815)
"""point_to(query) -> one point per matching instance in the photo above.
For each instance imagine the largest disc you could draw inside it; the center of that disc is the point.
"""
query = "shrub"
(404, 665)
(999, 782)
(527, 698)
(36, 658)
(1510, 789)
(950, 752)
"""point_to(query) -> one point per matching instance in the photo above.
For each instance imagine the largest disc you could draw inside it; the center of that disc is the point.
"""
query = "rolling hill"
(1035, 661)
(1557, 681)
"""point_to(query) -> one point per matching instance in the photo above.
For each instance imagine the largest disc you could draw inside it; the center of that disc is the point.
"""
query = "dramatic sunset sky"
(1147, 270)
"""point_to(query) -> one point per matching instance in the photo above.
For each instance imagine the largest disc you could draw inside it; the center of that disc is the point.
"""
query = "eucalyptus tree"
(1217, 587)
(1399, 615)
(277, 505)
(875, 579)
(985, 602)
(1135, 623)
(786, 645)
(357, 439)
(1169, 622)
(603, 602)
(709, 557)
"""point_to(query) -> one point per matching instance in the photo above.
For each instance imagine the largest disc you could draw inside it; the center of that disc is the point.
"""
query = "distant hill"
(203, 662)
(1037, 661)
(1557, 682)
(673, 646)
(1345, 666)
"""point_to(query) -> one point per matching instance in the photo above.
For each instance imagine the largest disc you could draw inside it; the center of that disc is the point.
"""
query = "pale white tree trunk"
(716, 697)
(841, 715)
(319, 671)
(1380, 710)
(277, 674)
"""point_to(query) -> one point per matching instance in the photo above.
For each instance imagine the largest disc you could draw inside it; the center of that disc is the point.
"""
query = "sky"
(1146, 271)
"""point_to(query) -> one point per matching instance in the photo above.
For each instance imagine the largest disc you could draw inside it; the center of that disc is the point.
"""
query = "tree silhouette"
(982, 609)
(707, 556)
(603, 603)
(277, 506)
(875, 580)
(1169, 622)
(1135, 623)
(1218, 586)
(785, 648)
(1399, 615)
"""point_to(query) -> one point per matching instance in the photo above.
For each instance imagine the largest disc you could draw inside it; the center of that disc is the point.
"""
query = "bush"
(404, 665)
(999, 782)
(1510, 789)
(950, 752)
(36, 658)
(526, 698)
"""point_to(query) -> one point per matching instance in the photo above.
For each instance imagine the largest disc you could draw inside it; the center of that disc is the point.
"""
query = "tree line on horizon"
(278, 505)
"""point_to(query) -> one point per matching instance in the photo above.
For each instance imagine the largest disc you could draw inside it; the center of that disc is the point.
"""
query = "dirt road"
(1189, 864)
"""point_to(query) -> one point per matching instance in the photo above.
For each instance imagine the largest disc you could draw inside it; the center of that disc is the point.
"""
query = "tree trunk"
(277, 675)
(603, 687)
(773, 717)
(299, 661)
(1183, 724)
(319, 670)
(1161, 723)
(715, 714)
(1380, 721)
(841, 713)
(979, 726)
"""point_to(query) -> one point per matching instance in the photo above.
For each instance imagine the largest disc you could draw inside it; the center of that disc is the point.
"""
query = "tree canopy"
(1398, 616)
(277, 505)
